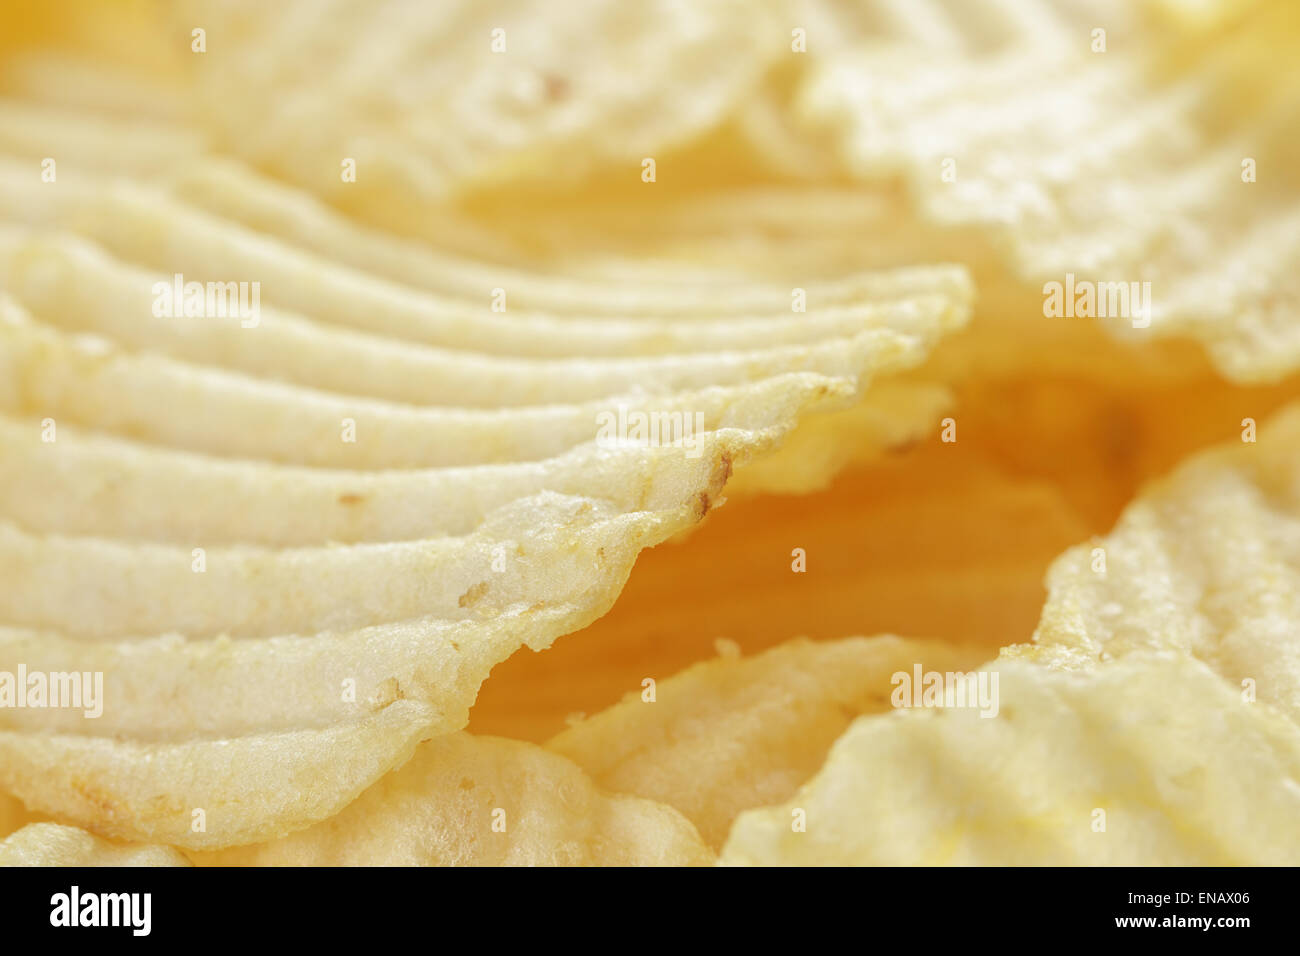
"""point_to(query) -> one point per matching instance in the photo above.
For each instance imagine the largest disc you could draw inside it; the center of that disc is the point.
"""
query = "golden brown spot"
(473, 595)
(556, 86)
(385, 693)
(702, 505)
(351, 498)
(103, 806)
(724, 468)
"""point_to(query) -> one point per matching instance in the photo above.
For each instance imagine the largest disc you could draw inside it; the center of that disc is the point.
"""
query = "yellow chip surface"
(1195, 129)
(485, 801)
(324, 392)
(734, 733)
(48, 844)
(1153, 720)
(314, 519)
(536, 100)
(1152, 760)
(1206, 562)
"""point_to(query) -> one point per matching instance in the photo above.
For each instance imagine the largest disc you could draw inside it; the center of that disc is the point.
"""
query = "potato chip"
(48, 844)
(89, 143)
(85, 141)
(132, 807)
(935, 538)
(279, 682)
(87, 380)
(1179, 126)
(730, 734)
(485, 801)
(1155, 719)
(185, 514)
(812, 234)
(68, 285)
(215, 215)
(1150, 759)
(531, 549)
(892, 415)
(359, 668)
(208, 792)
(106, 486)
(1206, 563)
(238, 702)
(293, 543)
(536, 99)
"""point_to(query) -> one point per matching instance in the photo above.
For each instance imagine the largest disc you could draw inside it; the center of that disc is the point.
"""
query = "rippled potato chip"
(1206, 562)
(1194, 130)
(212, 791)
(323, 311)
(239, 702)
(893, 415)
(284, 616)
(1151, 760)
(1154, 720)
(536, 99)
(184, 512)
(49, 844)
(485, 801)
(734, 733)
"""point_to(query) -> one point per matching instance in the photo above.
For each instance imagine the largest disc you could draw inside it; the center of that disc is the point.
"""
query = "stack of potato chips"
(349, 349)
